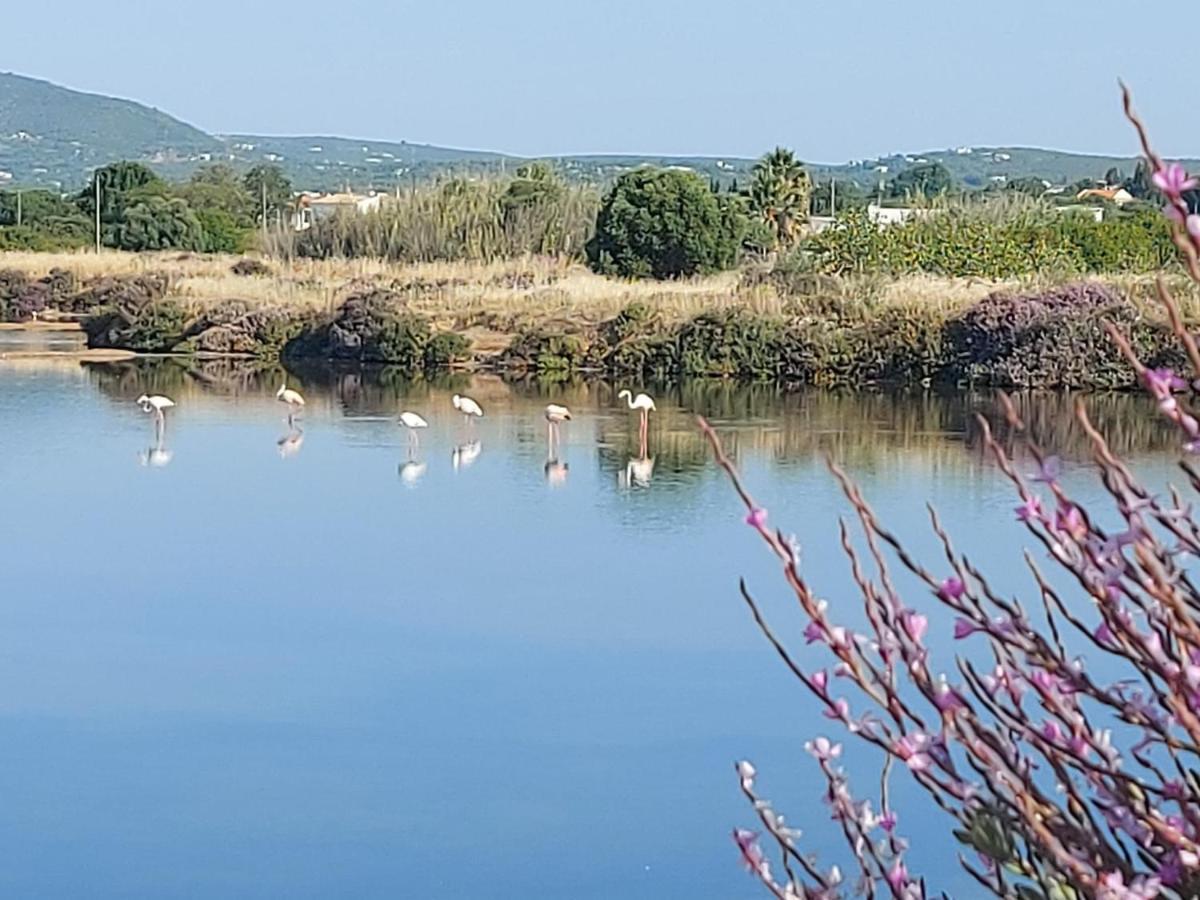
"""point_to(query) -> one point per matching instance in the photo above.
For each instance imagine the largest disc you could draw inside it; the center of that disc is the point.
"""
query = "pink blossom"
(1051, 731)
(840, 710)
(1173, 180)
(1070, 520)
(897, 876)
(1112, 887)
(1104, 635)
(1030, 510)
(911, 749)
(747, 844)
(756, 518)
(915, 625)
(1193, 226)
(888, 821)
(965, 628)
(814, 632)
(823, 749)
(946, 698)
(820, 680)
(1049, 470)
(745, 770)
(952, 589)
(1162, 382)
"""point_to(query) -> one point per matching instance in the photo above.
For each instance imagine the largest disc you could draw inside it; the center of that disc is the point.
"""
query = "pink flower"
(1104, 635)
(952, 589)
(823, 749)
(911, 749)
(1049, 470)
(1193, 226)
(897, 876)
(840, 711)
(1069, 520)
(820, 680)
(1051, 731)
(964, 628)
(814, 632)
(756, 518)
(1031, 509)
(1162, 382)
(747, 844)
(1173, 180)
(915, 625)
(946, 698)
(888, 821)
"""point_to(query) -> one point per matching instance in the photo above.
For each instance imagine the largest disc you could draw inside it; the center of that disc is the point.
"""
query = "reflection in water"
(556, 472)
(526, 687)
(465, 454)
(157, 455)
(290, 443)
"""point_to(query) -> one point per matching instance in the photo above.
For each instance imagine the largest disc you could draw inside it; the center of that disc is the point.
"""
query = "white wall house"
(313, 207)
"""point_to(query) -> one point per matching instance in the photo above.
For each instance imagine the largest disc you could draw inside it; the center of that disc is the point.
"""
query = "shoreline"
(552, 318)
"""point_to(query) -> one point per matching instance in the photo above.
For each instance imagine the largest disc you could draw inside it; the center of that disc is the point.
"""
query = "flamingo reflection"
(157, 455)
(640, 469)
(412, 468)
(465, 454)
(290, 443)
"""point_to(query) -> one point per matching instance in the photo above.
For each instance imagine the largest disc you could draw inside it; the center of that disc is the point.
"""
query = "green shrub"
(664, 223)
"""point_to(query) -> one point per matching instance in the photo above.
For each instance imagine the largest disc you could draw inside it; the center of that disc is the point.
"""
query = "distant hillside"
(53, 137)
(52, 134)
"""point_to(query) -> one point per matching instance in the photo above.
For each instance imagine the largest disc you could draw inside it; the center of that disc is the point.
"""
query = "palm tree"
(780, 192)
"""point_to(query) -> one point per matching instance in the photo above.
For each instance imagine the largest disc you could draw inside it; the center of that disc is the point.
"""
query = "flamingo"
(555, 416)
(468, 407)
(157, 403)
(292, 398)
(412, 422)
(642, 402)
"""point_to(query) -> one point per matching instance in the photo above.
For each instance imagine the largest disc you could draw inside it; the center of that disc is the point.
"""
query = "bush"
(374, 326)
(990, 240)
(664, 223)
(157, 223)
(153, 327)
(251, 267)
(1055, 338)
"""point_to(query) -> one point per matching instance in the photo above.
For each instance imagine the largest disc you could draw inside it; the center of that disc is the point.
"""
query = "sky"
(832, 79)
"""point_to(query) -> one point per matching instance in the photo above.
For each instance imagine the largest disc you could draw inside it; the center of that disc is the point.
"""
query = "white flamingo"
(468, 407)
(555, 416)
(292, 398)
(412, 422)
(157, 403)
(643, 403)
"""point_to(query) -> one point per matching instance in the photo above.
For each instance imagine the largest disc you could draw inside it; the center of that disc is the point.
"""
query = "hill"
(51, 136)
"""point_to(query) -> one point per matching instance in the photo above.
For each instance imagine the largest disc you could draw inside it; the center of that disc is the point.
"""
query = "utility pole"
(832, 197)
(264, 211)
(18, 209)
(96, 178)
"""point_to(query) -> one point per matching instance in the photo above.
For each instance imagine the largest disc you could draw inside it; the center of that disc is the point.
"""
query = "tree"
(847, 195)
(780, 190)
(663, 223)
(925, 180)
(121, 184)
(218, 187)
(44, 210)
(158, 223)
(1026, 184)
(1113, 177)
(268, 183)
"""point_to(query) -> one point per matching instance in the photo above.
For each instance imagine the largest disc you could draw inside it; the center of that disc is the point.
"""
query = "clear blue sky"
(834, 79)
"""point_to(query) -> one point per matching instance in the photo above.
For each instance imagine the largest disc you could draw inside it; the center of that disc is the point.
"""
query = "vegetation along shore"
(661, 274)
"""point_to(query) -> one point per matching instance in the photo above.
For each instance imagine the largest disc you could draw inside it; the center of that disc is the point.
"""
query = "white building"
(313, 207)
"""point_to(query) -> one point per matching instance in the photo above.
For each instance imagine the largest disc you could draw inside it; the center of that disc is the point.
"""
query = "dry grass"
(500, 295)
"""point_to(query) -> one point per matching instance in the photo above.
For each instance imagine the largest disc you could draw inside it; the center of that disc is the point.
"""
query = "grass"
(489, 301)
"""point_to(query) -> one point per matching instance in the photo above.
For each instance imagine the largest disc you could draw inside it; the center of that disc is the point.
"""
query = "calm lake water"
(248, 661)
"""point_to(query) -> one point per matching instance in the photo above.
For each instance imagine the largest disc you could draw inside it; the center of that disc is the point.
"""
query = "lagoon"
(246, 662)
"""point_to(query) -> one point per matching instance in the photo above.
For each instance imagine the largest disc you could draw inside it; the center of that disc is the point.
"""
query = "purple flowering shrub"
(1062, 784)
(1054, 338)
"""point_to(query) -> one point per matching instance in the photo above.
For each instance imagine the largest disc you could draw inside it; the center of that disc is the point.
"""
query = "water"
(246, 661)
